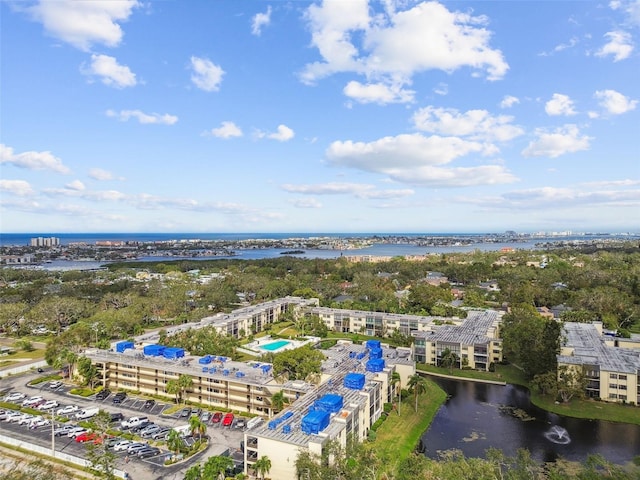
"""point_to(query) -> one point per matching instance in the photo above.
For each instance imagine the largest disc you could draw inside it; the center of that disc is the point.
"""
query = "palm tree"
(174, 441)
(173, 388)
(215, 466)
(185, 382)
(262, 466)
(278, 401)
(194, 472)
(417, 385)
(396, 380)
(197, 426)
(448, 359)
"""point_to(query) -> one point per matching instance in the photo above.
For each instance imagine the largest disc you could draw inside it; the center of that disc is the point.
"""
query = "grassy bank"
(399, 435)
(577, 408)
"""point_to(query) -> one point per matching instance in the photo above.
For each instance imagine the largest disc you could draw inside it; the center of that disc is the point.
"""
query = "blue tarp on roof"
(375, 365)
(173, 352)
(122, 346)
(205, 360)
(354, 381)
(330, 402)
(315, 421)
(373, 344)
(375, 353)
(153, 350)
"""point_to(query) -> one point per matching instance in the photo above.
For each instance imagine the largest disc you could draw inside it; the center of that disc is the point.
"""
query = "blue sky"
(334, 116)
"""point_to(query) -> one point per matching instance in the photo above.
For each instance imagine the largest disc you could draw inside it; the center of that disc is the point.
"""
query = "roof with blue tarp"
(122, 346)
(354, 381)
(373, 344)
(375, 365)
(153, 350)
(330, 402)
(173, 352)
(315, 421)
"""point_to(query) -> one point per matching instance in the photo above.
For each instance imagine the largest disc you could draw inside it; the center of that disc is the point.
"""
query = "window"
(614, 375)
(622, 377)
(613, 386)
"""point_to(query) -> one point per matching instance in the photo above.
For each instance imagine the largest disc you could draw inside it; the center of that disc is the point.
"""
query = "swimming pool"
(274, 345)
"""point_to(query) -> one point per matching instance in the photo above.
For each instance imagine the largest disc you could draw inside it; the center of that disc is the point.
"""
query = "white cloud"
(614, 102)
(227, 130)
(306, 203)
(509, 101)
(377, 93)
(630, 7)
(563, 140)
(144, 118)
(559, 105)
(111, 74)
(32, 160)
(413, 159)
(102, 175)
(283, 134)
(359, 190)
(206, 75)
(397, 44)
(557, 198)
(619, 45)
(441, 89)
(476, 124)
(84, 23)
(573, 41)
(260, 20)
(75, 185)
(20, 188)
(612, 183)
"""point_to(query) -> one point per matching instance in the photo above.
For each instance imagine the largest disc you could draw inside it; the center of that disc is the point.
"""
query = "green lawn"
(399, 435)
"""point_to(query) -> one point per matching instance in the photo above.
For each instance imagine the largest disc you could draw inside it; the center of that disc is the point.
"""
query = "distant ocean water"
(377, 249)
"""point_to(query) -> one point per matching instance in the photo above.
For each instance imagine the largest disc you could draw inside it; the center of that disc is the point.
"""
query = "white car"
(48, 405)
(25, 419)
(39, 421)
(121, 445)
(13, 416)
(68, 410)
(55, 384)
(74, 432)
(31, 401)
(14, 397)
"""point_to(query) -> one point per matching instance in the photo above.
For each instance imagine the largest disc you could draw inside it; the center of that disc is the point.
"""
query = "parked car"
(102, 394)
(48, 405)
(119, 397)
(25, 419)
(227, 420)
(148, 452)
(14, 397)
(68, 410)
(74, 432)
(63, 430)
(86, 437)
(112, 442)
(29, 402)
(217, 417)
(117, 417)
(240, 422)
(133, 422)
(196, 411)
(136, 447)
(161, 434)
(205, 417)
(55, 384)
(39, 421)
(150, 430)
(185, 412)
(149, 404)
(122, 445)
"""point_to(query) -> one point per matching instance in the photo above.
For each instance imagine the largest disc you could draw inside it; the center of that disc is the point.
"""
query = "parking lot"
(224, 437)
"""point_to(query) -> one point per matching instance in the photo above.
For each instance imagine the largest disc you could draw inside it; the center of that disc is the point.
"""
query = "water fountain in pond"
(557, 434)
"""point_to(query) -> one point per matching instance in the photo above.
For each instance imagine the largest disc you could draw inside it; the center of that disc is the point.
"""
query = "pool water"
(274, 345)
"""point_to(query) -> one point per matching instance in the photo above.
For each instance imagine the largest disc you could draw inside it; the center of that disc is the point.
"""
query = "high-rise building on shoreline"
(45, 241)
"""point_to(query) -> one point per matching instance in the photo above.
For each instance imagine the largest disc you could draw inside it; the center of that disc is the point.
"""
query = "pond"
(478, 416)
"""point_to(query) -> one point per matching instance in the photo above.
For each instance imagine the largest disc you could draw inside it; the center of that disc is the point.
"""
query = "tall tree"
(197, 426)
(215, 467)
(278, 401)
(417, 385)
(262, 466)
(396, 380)
(102, 459)
(448, 359)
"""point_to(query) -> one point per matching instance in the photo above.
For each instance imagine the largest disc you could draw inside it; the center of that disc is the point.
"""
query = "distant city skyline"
(327, 116)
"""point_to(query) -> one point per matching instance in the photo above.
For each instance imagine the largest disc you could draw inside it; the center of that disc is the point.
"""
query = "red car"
(216, 417)
(228, 420)
(87, 436)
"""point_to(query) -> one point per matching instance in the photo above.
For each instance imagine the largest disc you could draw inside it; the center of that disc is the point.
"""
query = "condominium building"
(44, 242)
(474, 341)
(611, 365)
